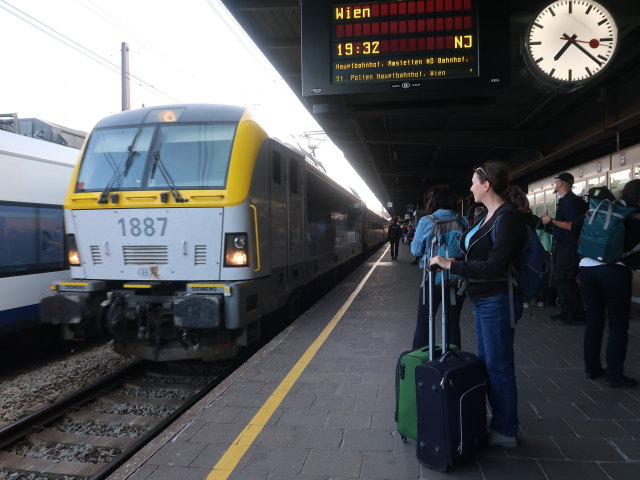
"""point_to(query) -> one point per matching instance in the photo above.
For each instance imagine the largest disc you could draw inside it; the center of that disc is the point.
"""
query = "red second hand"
(593, 43)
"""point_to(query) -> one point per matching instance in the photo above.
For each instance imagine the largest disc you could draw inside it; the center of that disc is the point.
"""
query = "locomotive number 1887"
(149, 227)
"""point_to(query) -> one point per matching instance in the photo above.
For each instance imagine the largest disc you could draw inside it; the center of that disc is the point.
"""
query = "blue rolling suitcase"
(451, 407)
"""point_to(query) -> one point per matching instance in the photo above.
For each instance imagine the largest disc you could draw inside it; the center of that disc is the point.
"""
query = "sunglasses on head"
(483, 172)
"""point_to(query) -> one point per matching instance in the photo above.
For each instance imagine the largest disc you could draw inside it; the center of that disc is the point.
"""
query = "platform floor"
(303, 409)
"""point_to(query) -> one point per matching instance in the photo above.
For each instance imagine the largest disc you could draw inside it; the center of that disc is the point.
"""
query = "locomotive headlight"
(235, 250)
(73, 256)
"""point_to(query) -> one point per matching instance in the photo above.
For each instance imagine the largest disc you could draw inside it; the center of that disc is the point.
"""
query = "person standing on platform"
(565, 256)
(607, 293)
(394, 234)
(489, 248)
(440, 203)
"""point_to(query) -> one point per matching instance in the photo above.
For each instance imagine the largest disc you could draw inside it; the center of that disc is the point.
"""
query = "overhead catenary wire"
(44, 28)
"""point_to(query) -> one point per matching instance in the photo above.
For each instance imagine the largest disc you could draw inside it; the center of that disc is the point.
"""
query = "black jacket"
(486, 260)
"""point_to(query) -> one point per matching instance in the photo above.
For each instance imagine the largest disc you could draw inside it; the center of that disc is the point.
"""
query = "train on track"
(186, 225)
(35, 177)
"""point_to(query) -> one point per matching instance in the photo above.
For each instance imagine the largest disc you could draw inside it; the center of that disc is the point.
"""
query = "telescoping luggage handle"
(430, 270)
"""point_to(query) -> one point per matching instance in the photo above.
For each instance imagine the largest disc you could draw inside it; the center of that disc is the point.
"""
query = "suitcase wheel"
(403, 438)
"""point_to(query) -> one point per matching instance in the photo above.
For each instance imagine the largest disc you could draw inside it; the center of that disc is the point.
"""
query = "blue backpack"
(533, 265)
(602, 236)
(445, 241)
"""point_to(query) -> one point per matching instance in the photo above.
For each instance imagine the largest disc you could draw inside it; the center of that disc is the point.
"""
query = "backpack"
(602, 236)
(445, 241)
(533, 265)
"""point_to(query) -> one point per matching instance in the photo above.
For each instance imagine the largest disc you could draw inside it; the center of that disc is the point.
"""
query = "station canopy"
(418, 93)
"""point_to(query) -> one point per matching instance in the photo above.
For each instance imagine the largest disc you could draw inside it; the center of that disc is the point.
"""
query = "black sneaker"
(558, 316)
(622, 382)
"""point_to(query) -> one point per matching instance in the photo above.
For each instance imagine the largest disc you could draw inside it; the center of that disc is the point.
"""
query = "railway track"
(93, 431)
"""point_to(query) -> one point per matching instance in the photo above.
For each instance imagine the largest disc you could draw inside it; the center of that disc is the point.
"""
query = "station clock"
(569, 43)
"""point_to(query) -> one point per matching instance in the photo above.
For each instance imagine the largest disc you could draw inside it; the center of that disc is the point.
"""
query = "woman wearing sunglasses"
(489, 248)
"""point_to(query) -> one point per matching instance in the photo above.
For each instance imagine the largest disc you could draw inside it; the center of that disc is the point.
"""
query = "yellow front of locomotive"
(162, 233)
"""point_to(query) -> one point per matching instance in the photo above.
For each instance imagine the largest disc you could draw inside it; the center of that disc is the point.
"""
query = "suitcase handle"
(449, 352)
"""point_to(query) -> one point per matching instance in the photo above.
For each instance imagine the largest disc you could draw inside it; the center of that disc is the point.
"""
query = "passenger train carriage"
(34, 177)
(187, 224)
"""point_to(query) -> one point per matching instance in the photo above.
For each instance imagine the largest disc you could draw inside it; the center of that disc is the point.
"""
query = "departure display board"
(423, 46)
(404, 41)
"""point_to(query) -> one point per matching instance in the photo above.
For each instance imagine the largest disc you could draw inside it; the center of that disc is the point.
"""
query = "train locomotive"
(187, 224)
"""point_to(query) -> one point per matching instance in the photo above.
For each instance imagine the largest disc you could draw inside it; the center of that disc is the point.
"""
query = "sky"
(61, 63)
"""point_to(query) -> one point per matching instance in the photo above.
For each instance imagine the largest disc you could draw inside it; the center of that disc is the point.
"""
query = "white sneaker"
(498, 440)
(540, 304)
(525, 305)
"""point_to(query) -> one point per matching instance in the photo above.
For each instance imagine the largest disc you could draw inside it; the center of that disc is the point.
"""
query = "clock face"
(570, 42)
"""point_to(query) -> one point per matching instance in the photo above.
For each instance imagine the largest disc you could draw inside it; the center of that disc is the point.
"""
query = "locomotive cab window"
(193, 156)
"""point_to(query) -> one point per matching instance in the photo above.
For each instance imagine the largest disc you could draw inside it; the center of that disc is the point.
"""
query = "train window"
(115, 157)
(293, 175)
(276, 167)
(31, 239)
(195, 156)
(50, 237)
(618, 180)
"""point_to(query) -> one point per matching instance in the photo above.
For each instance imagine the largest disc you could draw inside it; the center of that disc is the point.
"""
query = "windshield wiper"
(175, 193)
(118, 175)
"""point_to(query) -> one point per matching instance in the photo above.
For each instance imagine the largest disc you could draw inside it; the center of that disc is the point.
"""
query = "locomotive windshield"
(193, 156)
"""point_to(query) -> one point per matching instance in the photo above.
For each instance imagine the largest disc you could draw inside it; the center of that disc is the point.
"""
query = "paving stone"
(597, 428)
(587, 449)
(217, 433)
(210, 456)
(622, 471)
(383, 421)
(565, 395)
(606, 410)
(545, 427)
(301, 400)
(302, 418)
(177, 454)
(348, 420)
(277, 460)
(242, 475)
(376, 405)
(359, 390)
(143, 472)
(183, 473)
(389, 466)
(631, 426)
(332, 462)
(333, 403)
(629, 448)
(531, 395)
(320, 438)
(367, 440)
(564, 470)
(496, 468)
(557, 410)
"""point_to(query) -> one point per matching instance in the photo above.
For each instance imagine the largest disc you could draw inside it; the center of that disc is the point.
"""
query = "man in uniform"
(565, 258)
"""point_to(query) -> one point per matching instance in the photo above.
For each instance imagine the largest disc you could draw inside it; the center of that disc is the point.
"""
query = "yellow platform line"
(229, 461)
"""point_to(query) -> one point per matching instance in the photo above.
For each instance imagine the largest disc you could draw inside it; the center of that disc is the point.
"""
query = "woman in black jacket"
(489, 248)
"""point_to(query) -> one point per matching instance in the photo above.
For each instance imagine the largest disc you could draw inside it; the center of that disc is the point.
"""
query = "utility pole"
(126, 91)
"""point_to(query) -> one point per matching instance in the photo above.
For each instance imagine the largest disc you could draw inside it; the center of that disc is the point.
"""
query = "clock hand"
(593, 43)
(565, 46)
(582, 49)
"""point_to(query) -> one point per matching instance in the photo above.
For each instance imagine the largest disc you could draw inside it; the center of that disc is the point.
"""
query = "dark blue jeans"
(421, 333)
(494, 337)
(606, 287)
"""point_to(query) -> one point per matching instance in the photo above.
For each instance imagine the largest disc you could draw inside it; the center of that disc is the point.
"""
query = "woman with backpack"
(607, 287)
(485, 261)
(439, 203)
